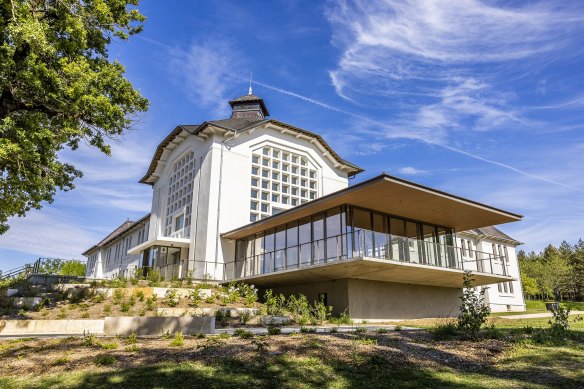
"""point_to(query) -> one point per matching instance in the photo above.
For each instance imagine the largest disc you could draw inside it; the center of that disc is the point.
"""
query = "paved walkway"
(319, 329)
(536, 315)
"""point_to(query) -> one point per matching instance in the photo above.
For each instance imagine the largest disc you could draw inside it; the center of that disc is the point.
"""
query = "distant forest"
(554, 271)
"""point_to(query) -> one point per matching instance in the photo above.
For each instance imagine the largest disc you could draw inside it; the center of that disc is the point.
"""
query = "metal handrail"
(370, 244)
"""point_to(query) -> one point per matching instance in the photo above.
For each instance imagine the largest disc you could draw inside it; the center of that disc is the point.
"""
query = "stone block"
(156, 326)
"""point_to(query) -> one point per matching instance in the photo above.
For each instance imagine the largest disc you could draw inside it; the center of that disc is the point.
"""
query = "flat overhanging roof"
(160, 241)
(373, 269)
(397, 197)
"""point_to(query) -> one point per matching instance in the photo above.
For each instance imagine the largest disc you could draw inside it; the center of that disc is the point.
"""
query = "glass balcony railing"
(366, 244)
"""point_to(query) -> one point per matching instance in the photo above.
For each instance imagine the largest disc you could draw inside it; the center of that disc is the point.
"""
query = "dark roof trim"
(381, 177)
(111, 238)
(194, 130)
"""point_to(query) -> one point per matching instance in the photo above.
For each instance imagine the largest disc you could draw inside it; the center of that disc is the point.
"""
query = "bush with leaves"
(473, 309)
(171, 298)
(275, 305)
(299, 309)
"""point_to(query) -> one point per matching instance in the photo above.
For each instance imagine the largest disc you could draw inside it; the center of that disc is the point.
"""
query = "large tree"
(58, 88)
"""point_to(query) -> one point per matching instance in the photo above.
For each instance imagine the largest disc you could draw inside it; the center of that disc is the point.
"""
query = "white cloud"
(206, 69)
(412, 171)
(49, 233)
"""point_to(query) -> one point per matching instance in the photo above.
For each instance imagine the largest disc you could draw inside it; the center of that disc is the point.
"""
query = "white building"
(257, 200)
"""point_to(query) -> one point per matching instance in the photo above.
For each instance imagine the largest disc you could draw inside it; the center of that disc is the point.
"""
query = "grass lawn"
(404, 359)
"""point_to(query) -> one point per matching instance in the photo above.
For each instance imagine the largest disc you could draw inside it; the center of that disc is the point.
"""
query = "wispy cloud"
(49, 233)
(204, 70)
(412, 171)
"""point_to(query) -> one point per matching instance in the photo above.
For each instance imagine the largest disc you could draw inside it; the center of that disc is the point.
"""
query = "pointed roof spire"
(250, 78)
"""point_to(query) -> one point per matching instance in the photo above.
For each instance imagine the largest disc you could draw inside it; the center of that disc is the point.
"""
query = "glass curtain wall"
(344, 232)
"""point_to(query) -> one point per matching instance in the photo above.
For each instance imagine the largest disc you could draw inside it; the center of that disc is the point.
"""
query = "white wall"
(499, 301)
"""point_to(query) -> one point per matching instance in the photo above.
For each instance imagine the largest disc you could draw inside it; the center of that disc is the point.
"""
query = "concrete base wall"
(504, 308)
(50, 327)
(376, 300)
(156, 326)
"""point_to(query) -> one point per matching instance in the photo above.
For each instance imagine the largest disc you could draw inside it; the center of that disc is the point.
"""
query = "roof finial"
(250, 75)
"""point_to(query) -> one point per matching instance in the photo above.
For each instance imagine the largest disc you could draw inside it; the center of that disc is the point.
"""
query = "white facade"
(219, 176)
(505, 296)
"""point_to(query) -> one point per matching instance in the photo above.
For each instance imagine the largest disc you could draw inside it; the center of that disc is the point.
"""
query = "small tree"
(473, 310)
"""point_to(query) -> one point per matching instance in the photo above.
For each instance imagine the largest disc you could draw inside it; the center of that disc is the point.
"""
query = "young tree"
(73, 268)
(57, 89)
(473, 308)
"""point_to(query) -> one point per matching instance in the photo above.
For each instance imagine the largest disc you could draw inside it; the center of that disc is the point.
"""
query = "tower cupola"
(249, 106)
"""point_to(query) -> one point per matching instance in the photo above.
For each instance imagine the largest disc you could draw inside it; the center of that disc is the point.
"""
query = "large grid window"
(180, 189)
(280, 179)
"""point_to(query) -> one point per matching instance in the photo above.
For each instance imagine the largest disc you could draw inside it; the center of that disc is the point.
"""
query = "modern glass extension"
(348, 232)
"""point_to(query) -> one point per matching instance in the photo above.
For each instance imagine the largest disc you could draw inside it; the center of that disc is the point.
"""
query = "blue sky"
(481, 99)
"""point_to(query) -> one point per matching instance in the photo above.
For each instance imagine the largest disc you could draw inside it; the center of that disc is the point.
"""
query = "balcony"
(365, 254)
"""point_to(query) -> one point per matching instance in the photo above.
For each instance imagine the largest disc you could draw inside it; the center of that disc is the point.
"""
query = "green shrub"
(107, 309)
(382, 331)
(98, 297)
(299, 309)
(473, 309)
(125, 307)
(367, 341)
(224, 335)
(195, 297)
(132, 348)
(178, 340)
(85, 315)
(245, 316)
(136, 276)
(62, 313)
(275, 305)
(118, 296)
(88, 339)
(61, 361)
(153, 277)
(171, 299)
(272, 330)
(132, 338)
(334, 330)
(243, 333)
(104, 360)
(343, 318)
(321, 312)
(493, 332)
(132, 301)
(150, 304)
(140, 295)
(360, 330)
(444, 331)
(397, 328)
(109, 346)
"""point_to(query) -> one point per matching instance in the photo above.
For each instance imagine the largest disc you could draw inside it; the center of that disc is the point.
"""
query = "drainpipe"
(217, 238)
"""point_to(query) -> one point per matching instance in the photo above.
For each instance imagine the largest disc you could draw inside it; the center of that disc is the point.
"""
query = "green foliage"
(104, 360)
(473, 309)
(153, 277)
(382, 330)
(242, 333)
(178, 340)
(150, 304)
(343, 318)
(107, 309)
(109, 346)
(444, 331)
(273, 330)
(170, 298)
(195, 297)
(556, 270)
(397, 328)
(125, 307)
(275, 305)
(89, 339)
(136, 276)
(73, 268)
(140, 295)
(58, 88)
(320, 312)
(299, 309)
(118, 296)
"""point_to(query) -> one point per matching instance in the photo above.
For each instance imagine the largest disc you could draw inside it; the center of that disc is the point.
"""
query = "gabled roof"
(493, 232)
(119, 231)
(240, 125)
